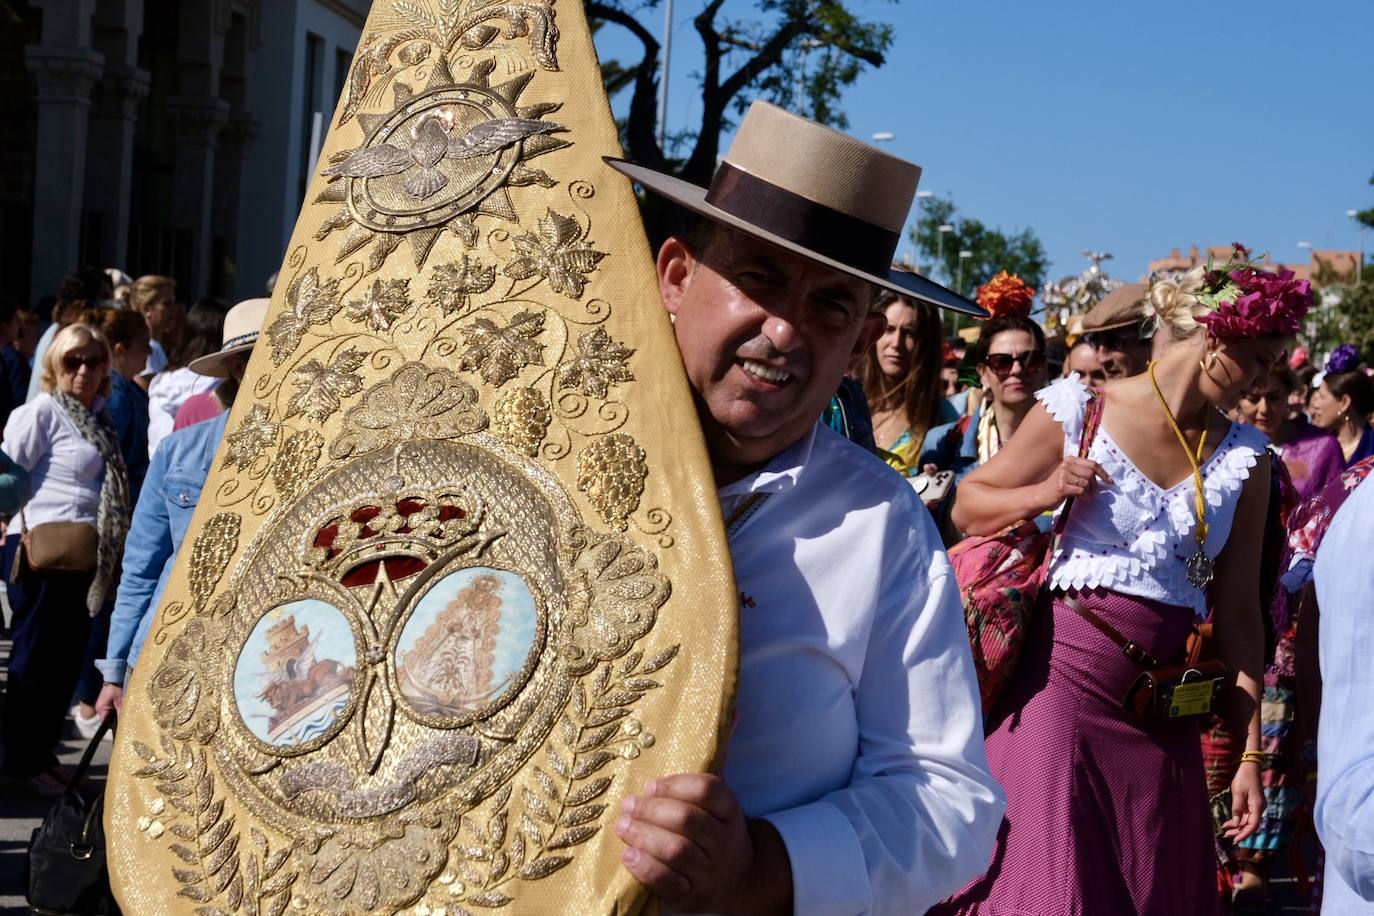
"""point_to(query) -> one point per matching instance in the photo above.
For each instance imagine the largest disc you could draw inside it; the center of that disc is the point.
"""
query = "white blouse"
(166, 394)
(1133, 537)
(67, 470)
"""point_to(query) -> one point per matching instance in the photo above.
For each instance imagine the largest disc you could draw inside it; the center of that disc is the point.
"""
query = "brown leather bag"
(1164, 691)
(60, 547)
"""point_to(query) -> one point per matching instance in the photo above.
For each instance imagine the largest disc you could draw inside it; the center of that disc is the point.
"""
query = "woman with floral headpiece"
(1107, 808)
(1011, 365)
(1342, 403)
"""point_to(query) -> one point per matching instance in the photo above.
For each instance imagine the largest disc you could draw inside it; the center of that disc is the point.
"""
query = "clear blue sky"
(1124, 126)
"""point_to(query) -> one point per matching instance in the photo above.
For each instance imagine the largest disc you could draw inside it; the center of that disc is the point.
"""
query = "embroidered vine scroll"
(456, 583)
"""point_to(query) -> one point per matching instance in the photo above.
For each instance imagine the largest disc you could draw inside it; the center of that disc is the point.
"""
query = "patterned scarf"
(989, 439)
(112, 517)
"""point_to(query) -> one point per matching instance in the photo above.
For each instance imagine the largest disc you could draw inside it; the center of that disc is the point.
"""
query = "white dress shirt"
(67, 470)
(1344, 814)
(860, 732)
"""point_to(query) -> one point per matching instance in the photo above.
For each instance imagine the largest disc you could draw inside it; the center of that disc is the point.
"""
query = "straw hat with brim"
(242, 323)
(1120, 308)
(813, 191)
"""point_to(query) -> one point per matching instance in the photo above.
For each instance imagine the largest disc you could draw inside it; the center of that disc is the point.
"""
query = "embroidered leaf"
(452, 284)
(578, 816)
(385, 302)
(591, 763)
(660, 660)
(542, 868)
(536, 806)
(599, 363)
(556, 252)
(255, 433)
(309, 302)
(546, 783)
(588, 792)
(573, 837)
(500, 353)
(320, 390)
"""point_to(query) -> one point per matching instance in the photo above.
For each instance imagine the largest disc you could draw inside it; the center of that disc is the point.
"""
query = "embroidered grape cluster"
(611, 472)
(521, 418)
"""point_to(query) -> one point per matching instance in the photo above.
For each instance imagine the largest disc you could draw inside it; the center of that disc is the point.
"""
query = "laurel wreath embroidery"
(559, 810)
(253, 881)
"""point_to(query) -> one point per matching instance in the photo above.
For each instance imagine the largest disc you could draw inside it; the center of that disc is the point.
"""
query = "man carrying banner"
(854, 781)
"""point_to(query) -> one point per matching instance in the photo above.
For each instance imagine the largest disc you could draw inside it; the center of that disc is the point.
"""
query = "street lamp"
(667, 59)
(963, 256)
(940, 247)
(1359, 265)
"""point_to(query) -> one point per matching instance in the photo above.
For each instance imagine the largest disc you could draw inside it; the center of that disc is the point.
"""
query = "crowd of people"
(90, 423)
(1152, 742)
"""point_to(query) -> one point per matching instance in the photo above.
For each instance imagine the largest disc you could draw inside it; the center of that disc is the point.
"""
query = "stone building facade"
(162, 136)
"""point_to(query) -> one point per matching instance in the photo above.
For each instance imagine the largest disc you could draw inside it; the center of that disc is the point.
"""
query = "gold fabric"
(457, 582)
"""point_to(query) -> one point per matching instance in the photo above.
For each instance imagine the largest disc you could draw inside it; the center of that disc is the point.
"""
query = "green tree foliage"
(1019, 253)
(1367, 216)
(781, 50)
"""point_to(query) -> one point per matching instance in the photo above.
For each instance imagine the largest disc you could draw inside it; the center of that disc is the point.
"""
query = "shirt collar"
(778, 475)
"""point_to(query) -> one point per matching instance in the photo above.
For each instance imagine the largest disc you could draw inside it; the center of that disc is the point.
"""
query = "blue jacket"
(954, 446)
(127, 406)
(15, 485)
(161, 517)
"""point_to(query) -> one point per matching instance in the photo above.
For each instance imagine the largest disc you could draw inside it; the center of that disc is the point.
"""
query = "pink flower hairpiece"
(1245, 300)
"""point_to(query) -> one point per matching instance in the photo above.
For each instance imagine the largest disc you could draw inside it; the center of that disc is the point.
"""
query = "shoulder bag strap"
(1092, 419)
(1131, 649)
(80, 772)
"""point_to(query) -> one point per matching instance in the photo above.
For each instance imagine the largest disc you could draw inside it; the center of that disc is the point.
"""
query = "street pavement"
(19, 818)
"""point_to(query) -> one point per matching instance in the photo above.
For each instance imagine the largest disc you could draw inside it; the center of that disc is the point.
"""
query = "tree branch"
(640, 132)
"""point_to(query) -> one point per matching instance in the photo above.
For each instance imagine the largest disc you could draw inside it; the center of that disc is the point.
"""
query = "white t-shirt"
(166, 394)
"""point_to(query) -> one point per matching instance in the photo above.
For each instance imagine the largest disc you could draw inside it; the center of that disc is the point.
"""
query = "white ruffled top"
(1133, 537)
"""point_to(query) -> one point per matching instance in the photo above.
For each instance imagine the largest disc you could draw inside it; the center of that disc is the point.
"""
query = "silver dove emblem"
(434, 143)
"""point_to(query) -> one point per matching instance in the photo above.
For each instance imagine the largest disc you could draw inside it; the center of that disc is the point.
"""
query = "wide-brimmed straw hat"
(242, 324)
(813, 191)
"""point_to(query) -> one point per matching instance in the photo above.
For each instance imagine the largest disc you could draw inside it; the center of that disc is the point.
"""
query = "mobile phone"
(932, 488)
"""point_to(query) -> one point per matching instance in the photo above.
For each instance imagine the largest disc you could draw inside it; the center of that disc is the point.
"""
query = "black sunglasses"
(73, 363)
(1001, 363)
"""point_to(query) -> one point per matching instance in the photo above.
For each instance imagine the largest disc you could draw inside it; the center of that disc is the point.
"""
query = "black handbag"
(67, 871)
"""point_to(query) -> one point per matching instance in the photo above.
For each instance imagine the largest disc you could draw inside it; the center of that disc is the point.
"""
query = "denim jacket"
(161, 517)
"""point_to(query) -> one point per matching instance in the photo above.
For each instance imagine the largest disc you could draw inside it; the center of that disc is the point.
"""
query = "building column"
(238, 134)
(64, 77)
(114, 117)
(198, 122)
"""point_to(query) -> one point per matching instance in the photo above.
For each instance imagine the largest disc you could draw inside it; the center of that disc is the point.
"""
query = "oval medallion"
(467, 645)
(293, 680)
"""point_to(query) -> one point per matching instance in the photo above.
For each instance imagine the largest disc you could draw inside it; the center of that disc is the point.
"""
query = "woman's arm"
(1030, 475)
(1240, 640)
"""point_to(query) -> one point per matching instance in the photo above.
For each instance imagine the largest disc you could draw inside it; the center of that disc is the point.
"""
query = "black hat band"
(815, 227)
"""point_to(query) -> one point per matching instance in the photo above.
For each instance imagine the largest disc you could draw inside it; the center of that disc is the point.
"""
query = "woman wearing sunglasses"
(1010, 357)
(1107, 808)
(75, 524)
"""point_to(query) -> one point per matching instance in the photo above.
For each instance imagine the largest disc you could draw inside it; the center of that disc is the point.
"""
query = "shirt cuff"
(112, 670)
(829, 874)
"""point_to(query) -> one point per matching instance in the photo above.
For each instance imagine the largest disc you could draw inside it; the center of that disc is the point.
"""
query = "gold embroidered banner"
(457, 582)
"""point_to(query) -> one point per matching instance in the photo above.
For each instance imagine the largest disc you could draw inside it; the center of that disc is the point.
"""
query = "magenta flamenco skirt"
(1107, 812)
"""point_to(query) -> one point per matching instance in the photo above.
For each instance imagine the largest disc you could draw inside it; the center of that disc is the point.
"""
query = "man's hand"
(111, 699)
(688, 841)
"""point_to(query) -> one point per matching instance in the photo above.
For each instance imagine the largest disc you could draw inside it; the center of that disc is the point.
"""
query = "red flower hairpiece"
(1006, 294)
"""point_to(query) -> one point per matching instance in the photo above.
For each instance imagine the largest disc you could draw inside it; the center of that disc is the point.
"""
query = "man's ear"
(675, 265)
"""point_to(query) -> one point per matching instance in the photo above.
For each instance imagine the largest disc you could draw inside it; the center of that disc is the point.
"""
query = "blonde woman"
(65, 440)
(1107, 807)
(155, 298)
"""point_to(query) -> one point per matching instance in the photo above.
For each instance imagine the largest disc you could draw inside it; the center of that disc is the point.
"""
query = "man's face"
(765, 336)
(1120, 351)
(1083, 360)
(165, 316)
